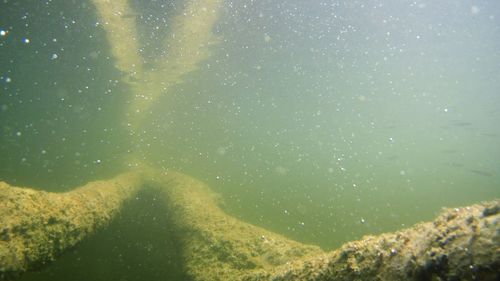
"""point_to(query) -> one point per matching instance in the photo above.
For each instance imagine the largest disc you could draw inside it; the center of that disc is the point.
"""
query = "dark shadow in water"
(139, 245)
(458, 123)
(454, 164)
(482, 173)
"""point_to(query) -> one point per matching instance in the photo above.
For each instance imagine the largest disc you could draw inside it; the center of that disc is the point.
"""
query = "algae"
(37, 226)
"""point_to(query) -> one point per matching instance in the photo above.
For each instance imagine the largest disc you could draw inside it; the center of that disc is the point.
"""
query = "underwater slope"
(37, 226)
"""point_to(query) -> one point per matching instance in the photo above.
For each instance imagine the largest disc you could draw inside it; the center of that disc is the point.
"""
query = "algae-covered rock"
(217, 246)
(461, 244)
(36, 226)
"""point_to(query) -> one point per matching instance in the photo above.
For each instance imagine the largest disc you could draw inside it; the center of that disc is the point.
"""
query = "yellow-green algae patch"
(36, 226)
(217, 246)
(461, 244)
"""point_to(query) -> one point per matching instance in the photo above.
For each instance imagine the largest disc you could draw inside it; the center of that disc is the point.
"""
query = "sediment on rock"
(217, 246)
(461, 244)
(36, 226)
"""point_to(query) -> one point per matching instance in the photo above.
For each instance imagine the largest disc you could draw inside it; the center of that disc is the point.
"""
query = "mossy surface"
(461, 244)
(37, 226)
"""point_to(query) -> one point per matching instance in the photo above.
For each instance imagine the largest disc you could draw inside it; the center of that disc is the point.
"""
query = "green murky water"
(320, 120)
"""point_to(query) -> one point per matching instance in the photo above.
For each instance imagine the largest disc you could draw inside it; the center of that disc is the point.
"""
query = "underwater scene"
(232, 139)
